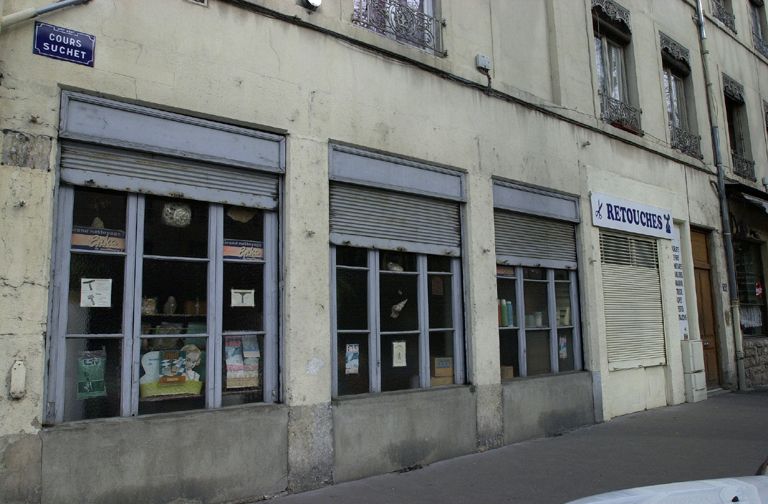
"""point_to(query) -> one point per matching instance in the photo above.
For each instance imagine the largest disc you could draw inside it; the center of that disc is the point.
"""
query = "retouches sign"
(616, 213)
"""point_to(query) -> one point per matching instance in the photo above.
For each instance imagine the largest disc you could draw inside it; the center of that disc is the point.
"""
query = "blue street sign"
(64, 44)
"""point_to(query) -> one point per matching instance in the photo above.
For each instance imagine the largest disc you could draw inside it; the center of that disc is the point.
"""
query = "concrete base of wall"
(490, 421)
(20, 477)
(547, 405)
(310, 447)
(375, 435)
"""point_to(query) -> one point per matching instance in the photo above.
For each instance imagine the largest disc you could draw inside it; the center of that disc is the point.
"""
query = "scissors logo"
(599, 211)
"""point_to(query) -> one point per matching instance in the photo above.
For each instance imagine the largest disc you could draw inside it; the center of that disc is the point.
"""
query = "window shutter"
(632, 297)
(530, 241)
(97, 166)
(366, 217)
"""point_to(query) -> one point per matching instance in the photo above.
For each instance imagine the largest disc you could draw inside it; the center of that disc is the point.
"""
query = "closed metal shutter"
(632, 296)
(525, 239)
(123, 170)
(366, 217)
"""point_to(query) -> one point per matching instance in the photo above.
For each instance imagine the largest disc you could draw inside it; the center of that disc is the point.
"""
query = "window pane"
(563, 304)
(600, 63)
(348, 256)
(399, 302)
(243, 297)
(507, 302)
(441, 361)
(98, 220)
(397, 261)
(440, 301)
(534, 274)
(351, 299)
(565, 357)
(536, 299)
(509, 353)
(353, 372)
(242, 369)
(242, 223)
(172, 374)
(680, 106)
(95, 304)
(617, 89)
(92, 378)
(177, 228)
(439, 263)
(537, 352)
(668, 96)
(174, 297)
(399, 362)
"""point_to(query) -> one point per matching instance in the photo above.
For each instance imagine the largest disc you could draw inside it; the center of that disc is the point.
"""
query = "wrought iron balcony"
(620, 114)
(399, 21)
(743, 167)
(685, 141)
(760, 44)
(722, 14)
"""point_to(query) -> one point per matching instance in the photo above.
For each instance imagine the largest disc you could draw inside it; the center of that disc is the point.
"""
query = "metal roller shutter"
(362, 216)
(96, 166)
(632, 296)
(520, 236)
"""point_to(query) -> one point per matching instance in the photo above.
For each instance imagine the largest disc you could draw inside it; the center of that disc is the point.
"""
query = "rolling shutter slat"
(520, 235)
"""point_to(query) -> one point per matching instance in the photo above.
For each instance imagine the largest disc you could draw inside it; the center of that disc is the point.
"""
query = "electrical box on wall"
(483, 63)
(202, 3)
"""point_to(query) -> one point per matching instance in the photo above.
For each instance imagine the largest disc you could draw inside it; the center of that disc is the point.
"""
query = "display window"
(162, 304)
(751, 287)
(538, 325)
(397, 320)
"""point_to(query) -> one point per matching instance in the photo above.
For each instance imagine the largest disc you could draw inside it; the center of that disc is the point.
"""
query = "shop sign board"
(64, 44)
(677, 260)
(623, 215)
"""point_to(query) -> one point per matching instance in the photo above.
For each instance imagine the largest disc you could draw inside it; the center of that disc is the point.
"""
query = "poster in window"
(94, 238)
(243, 298)
(352, 360)
(562, 348)
(243, 250)
(90, 374)
(96, 292)
(398, 354)
(172, 367)
(241, 371)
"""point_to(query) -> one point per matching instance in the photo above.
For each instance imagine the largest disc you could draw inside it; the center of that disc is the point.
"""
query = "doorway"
(705, 306)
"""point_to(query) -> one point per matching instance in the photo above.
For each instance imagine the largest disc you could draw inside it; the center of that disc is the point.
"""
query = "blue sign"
(64, 44)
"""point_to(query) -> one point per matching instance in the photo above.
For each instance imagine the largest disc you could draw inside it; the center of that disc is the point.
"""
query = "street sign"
(64, 44)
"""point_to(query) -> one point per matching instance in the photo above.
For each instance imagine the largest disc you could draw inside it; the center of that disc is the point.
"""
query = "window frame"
(426, 14)
(131, 336)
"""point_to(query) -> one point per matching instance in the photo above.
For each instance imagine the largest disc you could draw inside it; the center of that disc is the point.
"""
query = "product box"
(436, 381)
(507, 372)
(441, 366)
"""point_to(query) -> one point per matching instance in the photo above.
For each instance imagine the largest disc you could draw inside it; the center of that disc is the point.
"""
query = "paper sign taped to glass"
(96, 292)
(91, 366)
(243, 298)
(398, 354)
(172, 372)
(352, 360)
(242, 355)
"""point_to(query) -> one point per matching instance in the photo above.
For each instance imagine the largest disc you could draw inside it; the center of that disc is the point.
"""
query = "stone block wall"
(756, 362)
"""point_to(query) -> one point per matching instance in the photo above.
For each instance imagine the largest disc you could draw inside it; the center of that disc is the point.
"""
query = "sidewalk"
(726, 435)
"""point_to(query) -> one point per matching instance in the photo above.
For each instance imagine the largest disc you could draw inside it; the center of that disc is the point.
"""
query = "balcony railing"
(743, 167)
(620, 114)
(722, 14)
(685, 141)
(760, 44)
(399, 21)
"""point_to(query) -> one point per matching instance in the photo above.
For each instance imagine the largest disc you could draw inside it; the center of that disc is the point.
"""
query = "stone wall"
(756, 362)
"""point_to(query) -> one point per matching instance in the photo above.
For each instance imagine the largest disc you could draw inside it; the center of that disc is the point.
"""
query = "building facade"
(266, 246)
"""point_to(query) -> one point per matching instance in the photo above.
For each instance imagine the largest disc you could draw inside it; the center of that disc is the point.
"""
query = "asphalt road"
(726, 435)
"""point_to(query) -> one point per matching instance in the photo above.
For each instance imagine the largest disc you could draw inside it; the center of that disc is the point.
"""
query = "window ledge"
(551, 376)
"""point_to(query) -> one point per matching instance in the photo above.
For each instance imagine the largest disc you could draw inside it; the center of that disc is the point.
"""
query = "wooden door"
(705, 306)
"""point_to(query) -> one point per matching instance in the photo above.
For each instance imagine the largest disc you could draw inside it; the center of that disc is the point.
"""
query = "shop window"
(751, 287)
(397, 320)
(169, 304)
(612, 39)
(678, 97)
(738, 129)
(412, 22)
(537, 329)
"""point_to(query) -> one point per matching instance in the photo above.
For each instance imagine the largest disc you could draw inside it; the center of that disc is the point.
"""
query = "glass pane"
(509, 353)
(242, 369)
(353, 372)
(599, 62)
(441, 363)
(95, 304)
(565, 357)
(92, 378)
(562, 275)
(537, 352)
(172, 374)
(440, 301)
(399, 362)
(563, 304)
(243, 308)
(507, 302)
(680, 106)
(177, 228)
(535, 301)
(174, 297)
(348, 256)
(399, 302)
(507, 271)
(243, 233)
(616, 68)
(534, 274)
(668, 96)
(351, 299)
(98, 220)
(439, 264)
(397, 261)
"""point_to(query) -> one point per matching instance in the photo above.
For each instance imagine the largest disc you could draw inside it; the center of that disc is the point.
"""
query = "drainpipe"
(31, 13)
(724, 213)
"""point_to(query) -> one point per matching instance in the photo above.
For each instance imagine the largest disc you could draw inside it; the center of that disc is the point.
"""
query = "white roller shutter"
(632, 299)
(528, 240)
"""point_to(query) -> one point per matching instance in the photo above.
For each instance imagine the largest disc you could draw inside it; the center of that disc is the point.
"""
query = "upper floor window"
(612, 39)
(413, 22)
(723, 12)
(759, 28)
(680, 113)
(738, 131)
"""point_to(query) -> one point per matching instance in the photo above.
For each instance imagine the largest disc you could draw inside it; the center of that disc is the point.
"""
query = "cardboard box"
(441, 366)
(507, 372)
(436, 381)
